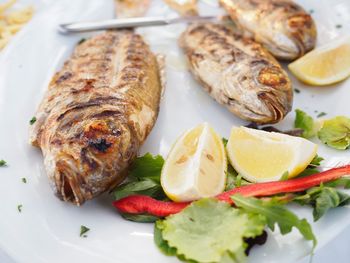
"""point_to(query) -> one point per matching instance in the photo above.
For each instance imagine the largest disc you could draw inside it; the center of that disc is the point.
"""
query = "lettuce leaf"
(306, 123)
(208, 231)
(336, 133)
(275, 213)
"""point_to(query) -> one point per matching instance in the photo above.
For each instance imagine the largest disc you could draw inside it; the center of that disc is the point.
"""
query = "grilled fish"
(282, 26)
(131, 8)
(96, 113)
(184, 7)
(238, 73)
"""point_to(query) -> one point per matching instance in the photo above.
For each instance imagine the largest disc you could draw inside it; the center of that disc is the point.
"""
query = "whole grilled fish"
(282, 26)
(131, 8)
(96, 114)
(238, 73)
(184, 7)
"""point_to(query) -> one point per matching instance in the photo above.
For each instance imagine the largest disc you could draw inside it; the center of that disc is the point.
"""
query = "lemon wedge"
(196, 166)
(325, 65)
(261, 156)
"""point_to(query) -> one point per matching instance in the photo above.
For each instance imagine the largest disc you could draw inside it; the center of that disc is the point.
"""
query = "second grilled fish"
(282, 26)
(97, 112)
(238, 73)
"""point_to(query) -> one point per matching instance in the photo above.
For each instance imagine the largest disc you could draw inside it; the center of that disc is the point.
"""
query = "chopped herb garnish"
(297, 90)
(224, 141)
(338, 26)
(32, 121)
(83, 230)
(24, 180)
(81, 41)
(3, 163)
(321, 114)
(19, 208)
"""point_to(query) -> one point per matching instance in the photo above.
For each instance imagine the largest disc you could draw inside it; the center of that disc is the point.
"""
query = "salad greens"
(336, 133)
(312, 168)
(275, 213)
(322, 199)
(305, 122)
(223, 227)
(209, 230)
(333, 132)
(144, 178)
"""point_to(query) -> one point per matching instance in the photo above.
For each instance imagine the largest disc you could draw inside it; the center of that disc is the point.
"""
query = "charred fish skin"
(282, 26)
(97, 112)
(238, 73)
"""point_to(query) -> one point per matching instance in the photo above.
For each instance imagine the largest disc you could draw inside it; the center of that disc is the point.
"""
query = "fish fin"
(162, 73)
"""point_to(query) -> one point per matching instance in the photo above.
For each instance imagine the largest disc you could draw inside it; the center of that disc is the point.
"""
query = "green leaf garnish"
(234, 179)
(144, 187)
(83, 231)
(224, 141)
(19, 208)
(147, 166)
(341, 182)
(208, 231)
(322, 199)
(3, 163)
(321, 114)
(285, 176)
(32, 121)
(144, 178)
(316, 161)
(231, 178)
(140, 218)
(275, 213)
(306, 123)
(312, 167)
(336, 133)
(24, 180)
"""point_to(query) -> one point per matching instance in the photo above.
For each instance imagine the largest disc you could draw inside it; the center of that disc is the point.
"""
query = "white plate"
(47, 230)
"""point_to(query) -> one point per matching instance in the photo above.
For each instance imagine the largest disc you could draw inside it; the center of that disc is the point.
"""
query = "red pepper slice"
(143, 204)
(139, 204)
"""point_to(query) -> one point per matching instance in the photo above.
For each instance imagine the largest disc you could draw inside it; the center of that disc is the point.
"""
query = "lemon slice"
(325, 65)
(196, 166)
(261, 156)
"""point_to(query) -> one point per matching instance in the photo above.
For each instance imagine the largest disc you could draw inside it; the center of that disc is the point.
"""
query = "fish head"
(292, 31)
(258, 91)
(85, 162)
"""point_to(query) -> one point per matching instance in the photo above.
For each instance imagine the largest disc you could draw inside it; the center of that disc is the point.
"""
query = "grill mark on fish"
(97, 112)
(238, 73)
(84, 105)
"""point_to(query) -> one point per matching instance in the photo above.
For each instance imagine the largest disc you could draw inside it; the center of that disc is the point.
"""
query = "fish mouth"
(303, 32)
(66, 182)
(278, 106)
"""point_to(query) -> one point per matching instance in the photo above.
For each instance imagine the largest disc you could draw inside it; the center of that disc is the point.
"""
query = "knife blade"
(78, 27)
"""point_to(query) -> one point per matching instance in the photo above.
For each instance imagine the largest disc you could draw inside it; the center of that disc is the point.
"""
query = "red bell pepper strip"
(139, 204)
(143, 204)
